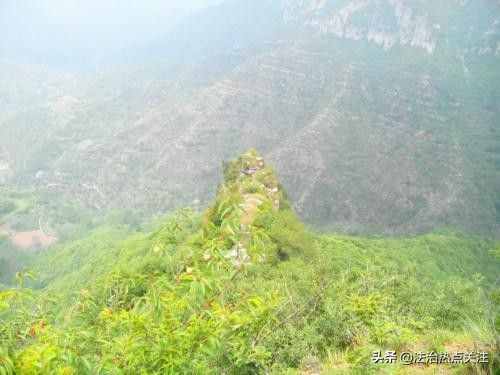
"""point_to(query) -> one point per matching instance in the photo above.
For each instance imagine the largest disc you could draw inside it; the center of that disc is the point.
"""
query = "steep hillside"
(245, 289)
(380, 116)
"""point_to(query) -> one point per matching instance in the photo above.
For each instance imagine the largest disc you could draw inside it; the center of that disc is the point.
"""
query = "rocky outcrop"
(398, 23)
(250, 190)
(384, 23)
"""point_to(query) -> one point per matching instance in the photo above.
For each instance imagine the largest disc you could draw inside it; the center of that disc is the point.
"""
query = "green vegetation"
(14, 202)
(246, 289)
(6, 206)
(10, 261)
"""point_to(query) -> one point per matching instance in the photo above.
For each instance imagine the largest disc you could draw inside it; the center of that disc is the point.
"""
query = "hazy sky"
(51, 27)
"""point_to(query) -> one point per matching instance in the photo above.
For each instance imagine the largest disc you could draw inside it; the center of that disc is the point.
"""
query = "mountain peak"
(251, 216)
(253, 180)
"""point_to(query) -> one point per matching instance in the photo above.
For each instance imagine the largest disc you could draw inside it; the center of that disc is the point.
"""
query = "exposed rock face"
(406, 28)
(238, 255)
(392, 23)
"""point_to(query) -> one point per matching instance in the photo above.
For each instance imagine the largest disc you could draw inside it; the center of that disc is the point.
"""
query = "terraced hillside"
(379, 115)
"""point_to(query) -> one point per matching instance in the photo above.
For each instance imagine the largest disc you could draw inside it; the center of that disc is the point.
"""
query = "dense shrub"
(173, 301)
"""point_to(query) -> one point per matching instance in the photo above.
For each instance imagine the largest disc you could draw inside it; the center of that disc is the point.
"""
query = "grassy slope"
(170, 301)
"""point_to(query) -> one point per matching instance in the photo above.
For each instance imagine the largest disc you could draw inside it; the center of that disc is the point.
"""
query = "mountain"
(244, 288)
(379, 115)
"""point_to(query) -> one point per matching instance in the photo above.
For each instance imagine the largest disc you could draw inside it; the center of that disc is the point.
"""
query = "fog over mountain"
(84, 33)
(380, 115)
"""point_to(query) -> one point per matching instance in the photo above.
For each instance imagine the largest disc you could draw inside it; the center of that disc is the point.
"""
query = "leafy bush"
(170, 301)
(285, 230)
(251, 187)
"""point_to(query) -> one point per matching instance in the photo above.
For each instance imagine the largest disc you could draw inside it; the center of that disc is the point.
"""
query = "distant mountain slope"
(86, 35)
(379, 115)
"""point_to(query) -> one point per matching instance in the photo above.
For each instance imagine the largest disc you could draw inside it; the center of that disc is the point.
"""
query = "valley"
(371, 121)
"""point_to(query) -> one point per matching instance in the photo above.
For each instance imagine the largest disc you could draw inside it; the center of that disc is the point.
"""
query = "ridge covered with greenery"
(245, 288)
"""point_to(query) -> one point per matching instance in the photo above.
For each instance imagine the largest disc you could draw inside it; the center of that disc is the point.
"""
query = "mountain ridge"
(398, 116)
(244, 288)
